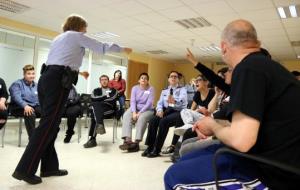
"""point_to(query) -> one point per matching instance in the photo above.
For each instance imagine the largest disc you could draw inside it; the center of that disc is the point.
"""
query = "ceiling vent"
(295, 43)
(157, 52)
(13, 7)
(191, 23)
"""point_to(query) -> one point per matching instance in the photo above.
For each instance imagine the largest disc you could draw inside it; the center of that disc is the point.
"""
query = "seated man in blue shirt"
(24, 98)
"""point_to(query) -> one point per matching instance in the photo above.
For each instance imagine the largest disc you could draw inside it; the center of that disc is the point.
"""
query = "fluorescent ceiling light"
(105, 35)
(293, 10)
(281, 12)
(210, 48)
(202, 48)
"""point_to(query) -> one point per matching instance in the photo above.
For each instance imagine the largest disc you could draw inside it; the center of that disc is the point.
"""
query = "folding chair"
(253, 157)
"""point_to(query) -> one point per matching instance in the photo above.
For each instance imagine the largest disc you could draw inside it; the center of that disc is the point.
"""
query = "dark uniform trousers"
(156, 139)
(100, 111)
(28, 120)
(3, 115)
(52, 97)
(71, 113)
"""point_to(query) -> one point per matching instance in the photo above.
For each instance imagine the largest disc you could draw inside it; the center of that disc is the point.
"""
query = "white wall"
(17, 50)
(107, 69)
(12, 60)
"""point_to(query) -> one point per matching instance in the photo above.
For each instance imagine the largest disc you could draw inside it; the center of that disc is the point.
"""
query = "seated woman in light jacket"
(139, 113)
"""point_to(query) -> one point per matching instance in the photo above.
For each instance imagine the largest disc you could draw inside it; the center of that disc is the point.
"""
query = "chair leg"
(114, 126)
(79, 128)
(20, 131)
(86, 121)
(3, 133)
(117, 124)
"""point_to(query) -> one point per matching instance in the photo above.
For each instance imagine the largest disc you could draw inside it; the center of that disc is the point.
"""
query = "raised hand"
(191, 57)
(127, 50)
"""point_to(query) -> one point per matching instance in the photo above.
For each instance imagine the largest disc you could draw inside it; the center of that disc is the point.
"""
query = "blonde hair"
(28, 68)
(75, 23)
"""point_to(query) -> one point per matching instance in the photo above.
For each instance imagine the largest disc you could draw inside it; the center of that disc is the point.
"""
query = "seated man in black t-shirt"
(264, 108)
(296, 74)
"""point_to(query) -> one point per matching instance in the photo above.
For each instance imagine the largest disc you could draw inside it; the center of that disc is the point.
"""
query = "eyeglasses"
(200, 79)
(144, 78)
(173, 76)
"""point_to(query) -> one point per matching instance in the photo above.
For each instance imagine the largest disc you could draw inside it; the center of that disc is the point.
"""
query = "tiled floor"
(104, 167)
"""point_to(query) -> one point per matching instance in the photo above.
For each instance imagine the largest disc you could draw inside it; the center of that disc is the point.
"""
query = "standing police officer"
(58, 74)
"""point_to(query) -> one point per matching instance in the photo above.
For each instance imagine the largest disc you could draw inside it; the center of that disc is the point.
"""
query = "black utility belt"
(69, 76)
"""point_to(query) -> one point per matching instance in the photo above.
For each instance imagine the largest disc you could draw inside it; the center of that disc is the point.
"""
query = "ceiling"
(146, 25)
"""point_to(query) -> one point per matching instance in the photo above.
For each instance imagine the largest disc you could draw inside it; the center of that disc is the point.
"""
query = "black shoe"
(169, 150)
(100, 129)
(67, 138)
(133, 147)
(91, 143)
(29, 179)
(146, 152)
(153, 154)
(54, 173)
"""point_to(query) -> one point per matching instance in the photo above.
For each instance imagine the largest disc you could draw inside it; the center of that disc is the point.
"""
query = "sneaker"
(100, 129)
(176, 156)
(91, 143)
(181, 130)
(169, 150)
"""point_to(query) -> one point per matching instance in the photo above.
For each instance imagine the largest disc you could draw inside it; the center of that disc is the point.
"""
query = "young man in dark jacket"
(103, 104)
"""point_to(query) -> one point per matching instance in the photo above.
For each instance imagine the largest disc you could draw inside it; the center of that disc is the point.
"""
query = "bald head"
(240, 33)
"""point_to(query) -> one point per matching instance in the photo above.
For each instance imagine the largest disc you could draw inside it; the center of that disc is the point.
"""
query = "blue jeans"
(122, 104)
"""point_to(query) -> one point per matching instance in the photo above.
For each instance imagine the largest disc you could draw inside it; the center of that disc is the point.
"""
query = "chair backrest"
(257, 158)
(85, 98)
(85, 101)
(14, 110)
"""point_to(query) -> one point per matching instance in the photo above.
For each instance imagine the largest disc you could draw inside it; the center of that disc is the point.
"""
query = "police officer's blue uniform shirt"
(24, 94)
(179, 94)
(68, 49)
